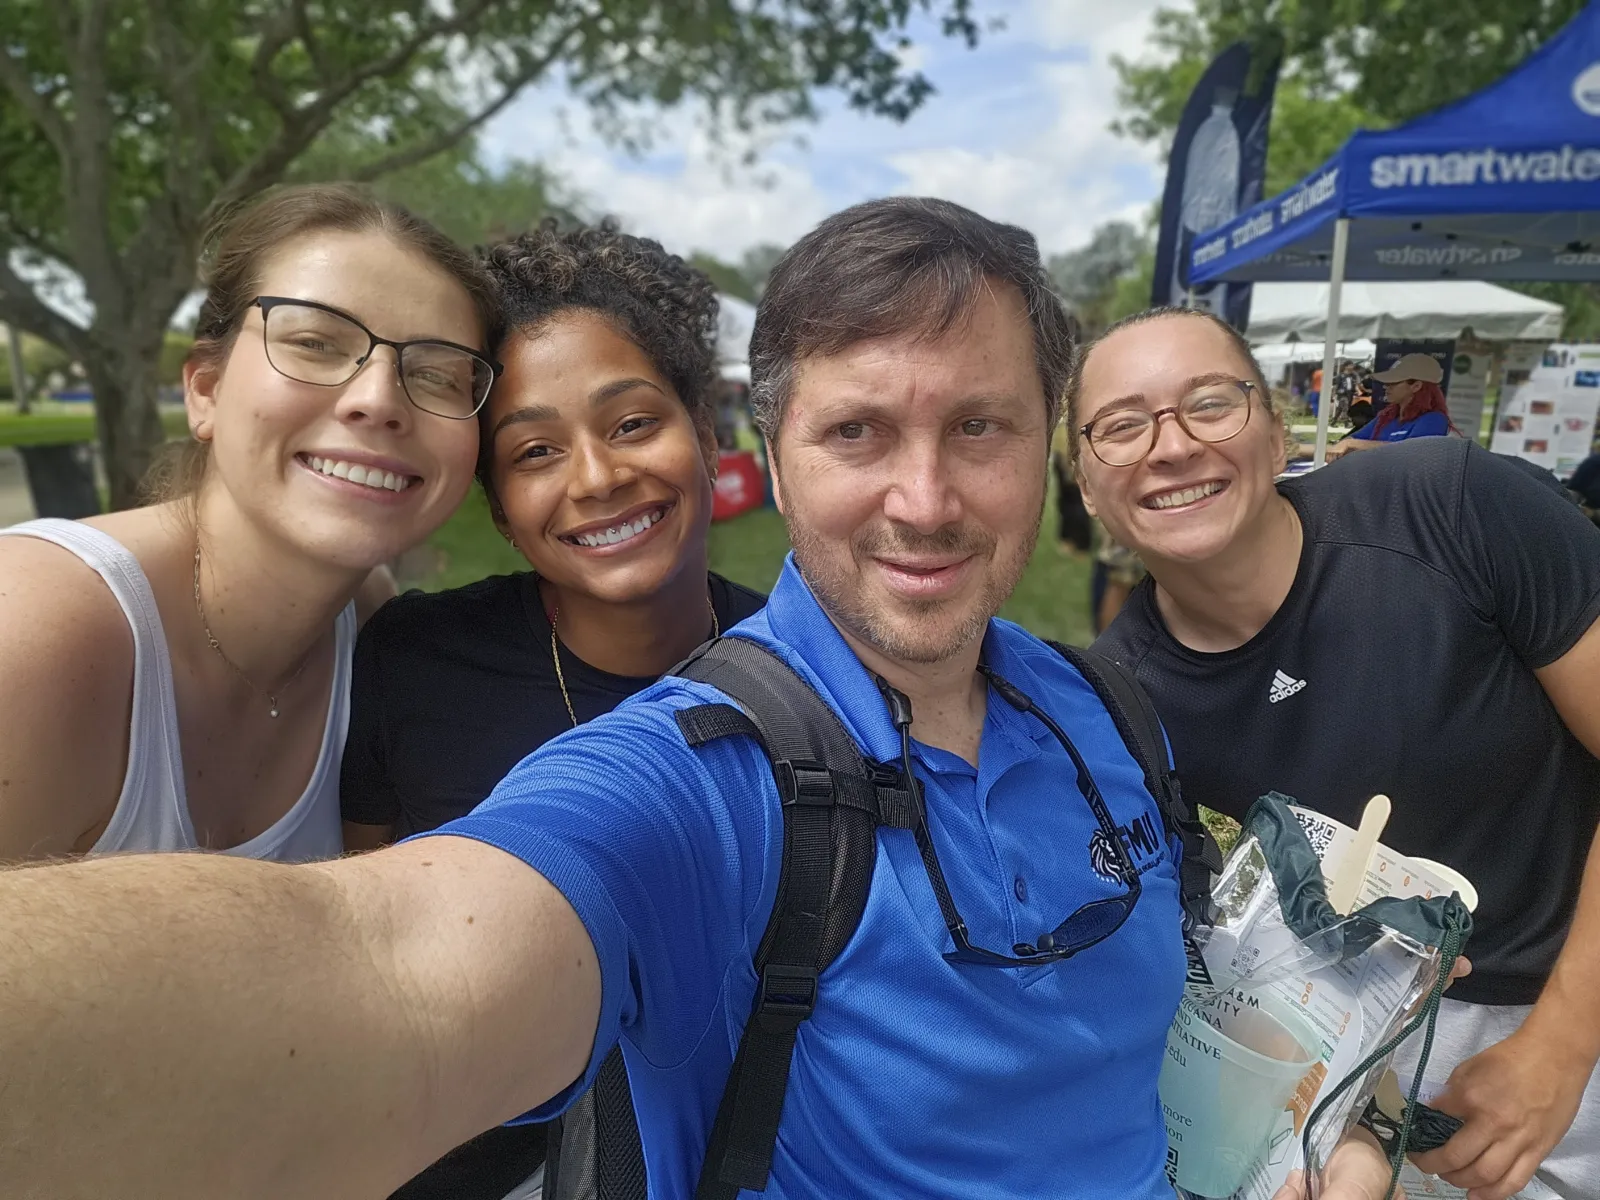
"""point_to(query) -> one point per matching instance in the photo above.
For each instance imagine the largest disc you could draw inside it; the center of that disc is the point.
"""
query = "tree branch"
(275, 35)
(86, 174)
(301, 125)
(529, 71)
(36, 105)
(178, 66)
(465, 17)
(308, 39)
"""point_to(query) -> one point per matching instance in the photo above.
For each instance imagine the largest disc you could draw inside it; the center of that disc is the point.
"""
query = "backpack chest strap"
(879, 790)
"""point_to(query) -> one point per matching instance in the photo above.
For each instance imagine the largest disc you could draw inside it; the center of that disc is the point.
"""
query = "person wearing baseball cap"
(1415, 408)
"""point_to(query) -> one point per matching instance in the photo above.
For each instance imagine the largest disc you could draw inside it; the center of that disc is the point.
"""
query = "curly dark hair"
(655, 299)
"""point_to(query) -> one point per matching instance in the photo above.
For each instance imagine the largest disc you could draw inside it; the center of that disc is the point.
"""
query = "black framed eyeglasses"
(317, 344)
(1214, 413)
(1088, 925)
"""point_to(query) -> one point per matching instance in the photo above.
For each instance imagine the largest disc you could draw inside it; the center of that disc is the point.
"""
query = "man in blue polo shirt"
(330, 1029)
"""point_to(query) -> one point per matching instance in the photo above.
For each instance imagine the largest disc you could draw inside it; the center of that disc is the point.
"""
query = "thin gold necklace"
(555, 651)
(211, 638)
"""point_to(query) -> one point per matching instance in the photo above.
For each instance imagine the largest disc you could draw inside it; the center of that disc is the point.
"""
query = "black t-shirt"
(1434, 578)
(450, 691)
(453, 689)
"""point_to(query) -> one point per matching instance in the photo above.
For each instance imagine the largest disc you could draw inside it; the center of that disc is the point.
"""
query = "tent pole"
(1330, 343)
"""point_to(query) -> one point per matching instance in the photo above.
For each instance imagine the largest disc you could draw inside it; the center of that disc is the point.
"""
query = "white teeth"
(1187, 496)
(619, 533)
(356, 473)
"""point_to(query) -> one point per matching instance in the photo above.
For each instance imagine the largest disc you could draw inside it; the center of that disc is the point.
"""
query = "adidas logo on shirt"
(1284, 686)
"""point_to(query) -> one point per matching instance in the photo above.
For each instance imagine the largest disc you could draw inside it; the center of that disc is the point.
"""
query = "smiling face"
(354, 474)
(603, 480)
(912, 476)
(1187, 500)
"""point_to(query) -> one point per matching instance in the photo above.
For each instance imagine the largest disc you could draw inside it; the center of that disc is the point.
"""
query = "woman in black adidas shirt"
(1452, 596)
(597, 455)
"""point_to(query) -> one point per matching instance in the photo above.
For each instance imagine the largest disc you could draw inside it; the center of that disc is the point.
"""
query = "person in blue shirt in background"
(329, 1030)
(1416, 407)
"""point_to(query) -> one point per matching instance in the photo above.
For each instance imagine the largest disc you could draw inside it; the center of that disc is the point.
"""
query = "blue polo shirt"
(1431, 424)
(914, 1076)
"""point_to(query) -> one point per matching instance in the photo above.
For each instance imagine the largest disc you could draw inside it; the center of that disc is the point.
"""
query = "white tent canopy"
(736, 321)
(1274, 357)
(1285, 312)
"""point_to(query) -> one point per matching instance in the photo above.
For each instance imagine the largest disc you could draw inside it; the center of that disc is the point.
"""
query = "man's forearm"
(199, 1026)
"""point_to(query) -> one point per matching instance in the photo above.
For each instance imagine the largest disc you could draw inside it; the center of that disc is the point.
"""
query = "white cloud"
(1018, 131)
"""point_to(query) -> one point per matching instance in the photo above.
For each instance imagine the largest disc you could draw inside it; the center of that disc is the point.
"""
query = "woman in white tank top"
(177, 676)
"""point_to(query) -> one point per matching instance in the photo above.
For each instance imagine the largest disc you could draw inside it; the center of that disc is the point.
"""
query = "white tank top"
(152, 812)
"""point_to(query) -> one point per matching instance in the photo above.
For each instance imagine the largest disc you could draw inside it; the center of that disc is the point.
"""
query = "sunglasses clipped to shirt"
(1088, 925)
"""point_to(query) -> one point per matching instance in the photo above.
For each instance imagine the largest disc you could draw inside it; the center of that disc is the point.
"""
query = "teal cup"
(1231, 1066)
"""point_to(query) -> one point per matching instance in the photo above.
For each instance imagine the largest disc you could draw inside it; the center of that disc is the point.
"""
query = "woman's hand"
(1347, 444)
(1357, 1170)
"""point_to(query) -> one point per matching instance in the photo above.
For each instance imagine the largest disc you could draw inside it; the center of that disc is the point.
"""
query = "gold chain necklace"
(211, 638)
(555, 652)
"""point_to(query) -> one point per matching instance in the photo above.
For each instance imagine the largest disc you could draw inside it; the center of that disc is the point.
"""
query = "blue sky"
(1018, 131)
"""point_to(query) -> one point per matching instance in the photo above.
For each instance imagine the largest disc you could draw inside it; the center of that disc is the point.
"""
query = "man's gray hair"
(903, 265)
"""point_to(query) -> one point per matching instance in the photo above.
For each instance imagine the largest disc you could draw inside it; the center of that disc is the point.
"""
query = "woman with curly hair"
(597, 455)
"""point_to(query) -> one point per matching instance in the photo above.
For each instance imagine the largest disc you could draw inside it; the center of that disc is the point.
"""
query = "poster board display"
(1469, 384)
(1548, 408)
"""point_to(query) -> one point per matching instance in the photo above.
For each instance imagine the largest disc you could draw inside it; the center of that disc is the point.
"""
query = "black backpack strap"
(833, 801)
(1134, 715)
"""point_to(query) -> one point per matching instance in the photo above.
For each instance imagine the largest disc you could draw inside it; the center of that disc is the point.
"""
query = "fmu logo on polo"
(1142, 839)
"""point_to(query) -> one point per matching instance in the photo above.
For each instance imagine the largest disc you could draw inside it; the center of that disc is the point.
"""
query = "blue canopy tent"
(1503, 185)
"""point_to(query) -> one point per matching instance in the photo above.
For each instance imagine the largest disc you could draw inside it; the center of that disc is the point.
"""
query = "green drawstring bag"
(1284, 987)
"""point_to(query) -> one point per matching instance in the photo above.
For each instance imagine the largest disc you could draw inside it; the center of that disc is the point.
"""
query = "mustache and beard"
(913, 630)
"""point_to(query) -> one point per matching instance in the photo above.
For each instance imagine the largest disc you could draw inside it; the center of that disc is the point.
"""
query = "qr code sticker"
(1318, 833)
(1172, 1165)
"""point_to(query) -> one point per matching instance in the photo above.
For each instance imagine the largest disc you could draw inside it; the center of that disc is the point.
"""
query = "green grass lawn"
(55, 425)
(1052, 600)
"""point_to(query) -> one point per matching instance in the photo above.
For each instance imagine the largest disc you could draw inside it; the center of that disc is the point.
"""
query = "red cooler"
(740, 487)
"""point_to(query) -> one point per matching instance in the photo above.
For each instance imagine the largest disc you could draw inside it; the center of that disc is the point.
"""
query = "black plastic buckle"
(802, 782)
(788, 994)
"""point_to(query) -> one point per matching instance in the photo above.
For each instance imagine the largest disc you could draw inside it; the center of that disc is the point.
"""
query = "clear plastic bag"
(1343, 988)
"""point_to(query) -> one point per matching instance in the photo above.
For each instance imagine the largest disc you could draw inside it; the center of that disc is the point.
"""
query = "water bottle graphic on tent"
(1210, 187)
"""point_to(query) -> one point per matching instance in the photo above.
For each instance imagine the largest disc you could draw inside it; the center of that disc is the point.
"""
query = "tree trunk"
(123, 376)
(19, 371)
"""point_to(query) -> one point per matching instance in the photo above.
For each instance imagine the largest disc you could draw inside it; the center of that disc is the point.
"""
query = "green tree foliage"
(1348, 64)
(747, 278)
(475, 205)
(727, 276)
(126, 126)
(1094, 279)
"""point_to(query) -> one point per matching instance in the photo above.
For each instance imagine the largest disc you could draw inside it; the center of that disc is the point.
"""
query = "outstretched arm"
(199, 1026)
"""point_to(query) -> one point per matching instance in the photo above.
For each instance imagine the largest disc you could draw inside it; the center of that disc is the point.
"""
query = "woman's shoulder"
(54, 604)
(734, 602)
(67, 658)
